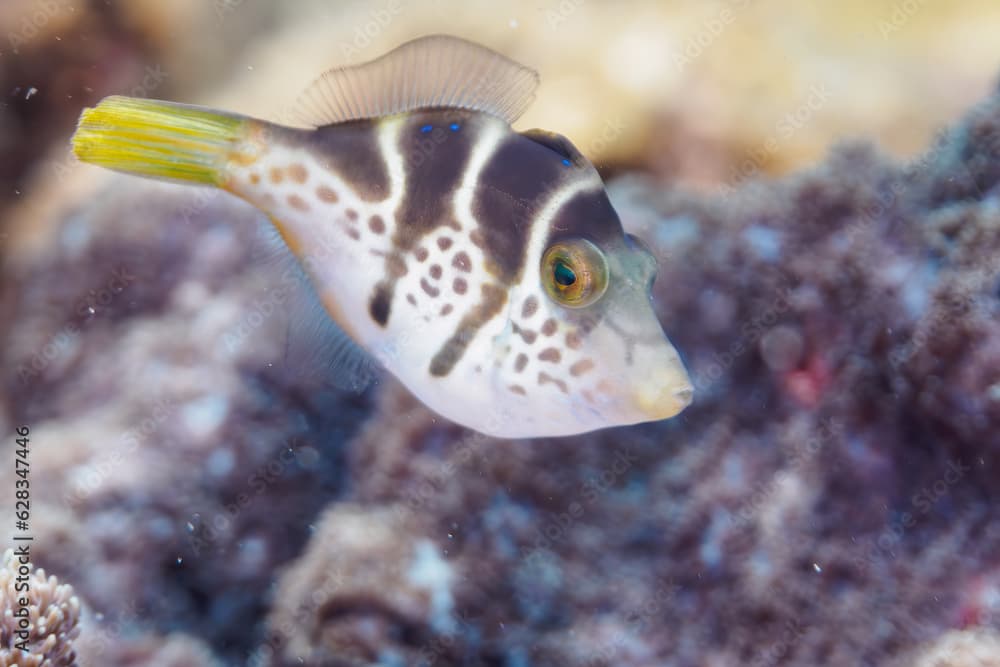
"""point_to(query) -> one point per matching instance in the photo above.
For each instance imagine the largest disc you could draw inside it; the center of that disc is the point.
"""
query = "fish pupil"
(563, 275)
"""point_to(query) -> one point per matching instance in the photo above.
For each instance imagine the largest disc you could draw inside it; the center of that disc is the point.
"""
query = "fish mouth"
(663, 394)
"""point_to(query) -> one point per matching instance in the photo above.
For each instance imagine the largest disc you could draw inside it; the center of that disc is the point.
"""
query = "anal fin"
(316, 348)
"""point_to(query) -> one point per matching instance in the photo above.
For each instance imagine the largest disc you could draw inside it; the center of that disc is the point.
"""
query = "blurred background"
(210, 506)
(688, 90)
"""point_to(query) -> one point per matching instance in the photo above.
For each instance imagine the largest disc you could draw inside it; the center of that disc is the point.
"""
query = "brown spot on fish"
(298, 203)
(354, 234)
(421, 254)
(444, 242)
(581, 367)
(297, 173)
(436, 271)
(462, 262)
(379, 305)
(255, 178)
(545, 378)
(277, 176)
(351, 214)
(396, 266)
(412, 299)
(529, 307)
(326, 194)
(493, 299)
(446, 309)
(427, 287)
(573, 340)
(517, 389)
(376, 224)
(520, 362)
(549, 327)
(527, 335)
(460, 286)
(550, 354)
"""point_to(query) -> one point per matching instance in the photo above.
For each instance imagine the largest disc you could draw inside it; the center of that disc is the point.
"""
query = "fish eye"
(574, 273)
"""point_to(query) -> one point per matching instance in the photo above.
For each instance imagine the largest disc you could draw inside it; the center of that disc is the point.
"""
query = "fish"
(484, 267)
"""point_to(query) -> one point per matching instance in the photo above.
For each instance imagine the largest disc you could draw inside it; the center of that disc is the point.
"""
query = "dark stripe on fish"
(434, 162)
(513, 187)
(451, 352)
(435, 146)
(351, 151)
(588, 214)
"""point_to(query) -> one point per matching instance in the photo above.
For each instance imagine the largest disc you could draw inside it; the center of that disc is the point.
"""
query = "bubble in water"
(31, 93)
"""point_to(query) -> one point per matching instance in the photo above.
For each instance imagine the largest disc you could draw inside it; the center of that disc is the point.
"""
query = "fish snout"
(663, 393)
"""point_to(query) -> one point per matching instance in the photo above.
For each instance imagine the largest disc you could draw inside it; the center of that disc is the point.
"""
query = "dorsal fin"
(433, 71)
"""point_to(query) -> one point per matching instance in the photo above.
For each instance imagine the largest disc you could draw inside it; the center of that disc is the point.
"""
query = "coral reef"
(50, 618)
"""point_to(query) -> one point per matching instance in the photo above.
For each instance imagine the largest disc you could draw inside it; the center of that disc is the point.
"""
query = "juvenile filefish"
(485, 268)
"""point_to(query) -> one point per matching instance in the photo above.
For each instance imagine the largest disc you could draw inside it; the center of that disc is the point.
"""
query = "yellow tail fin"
(166, 140)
